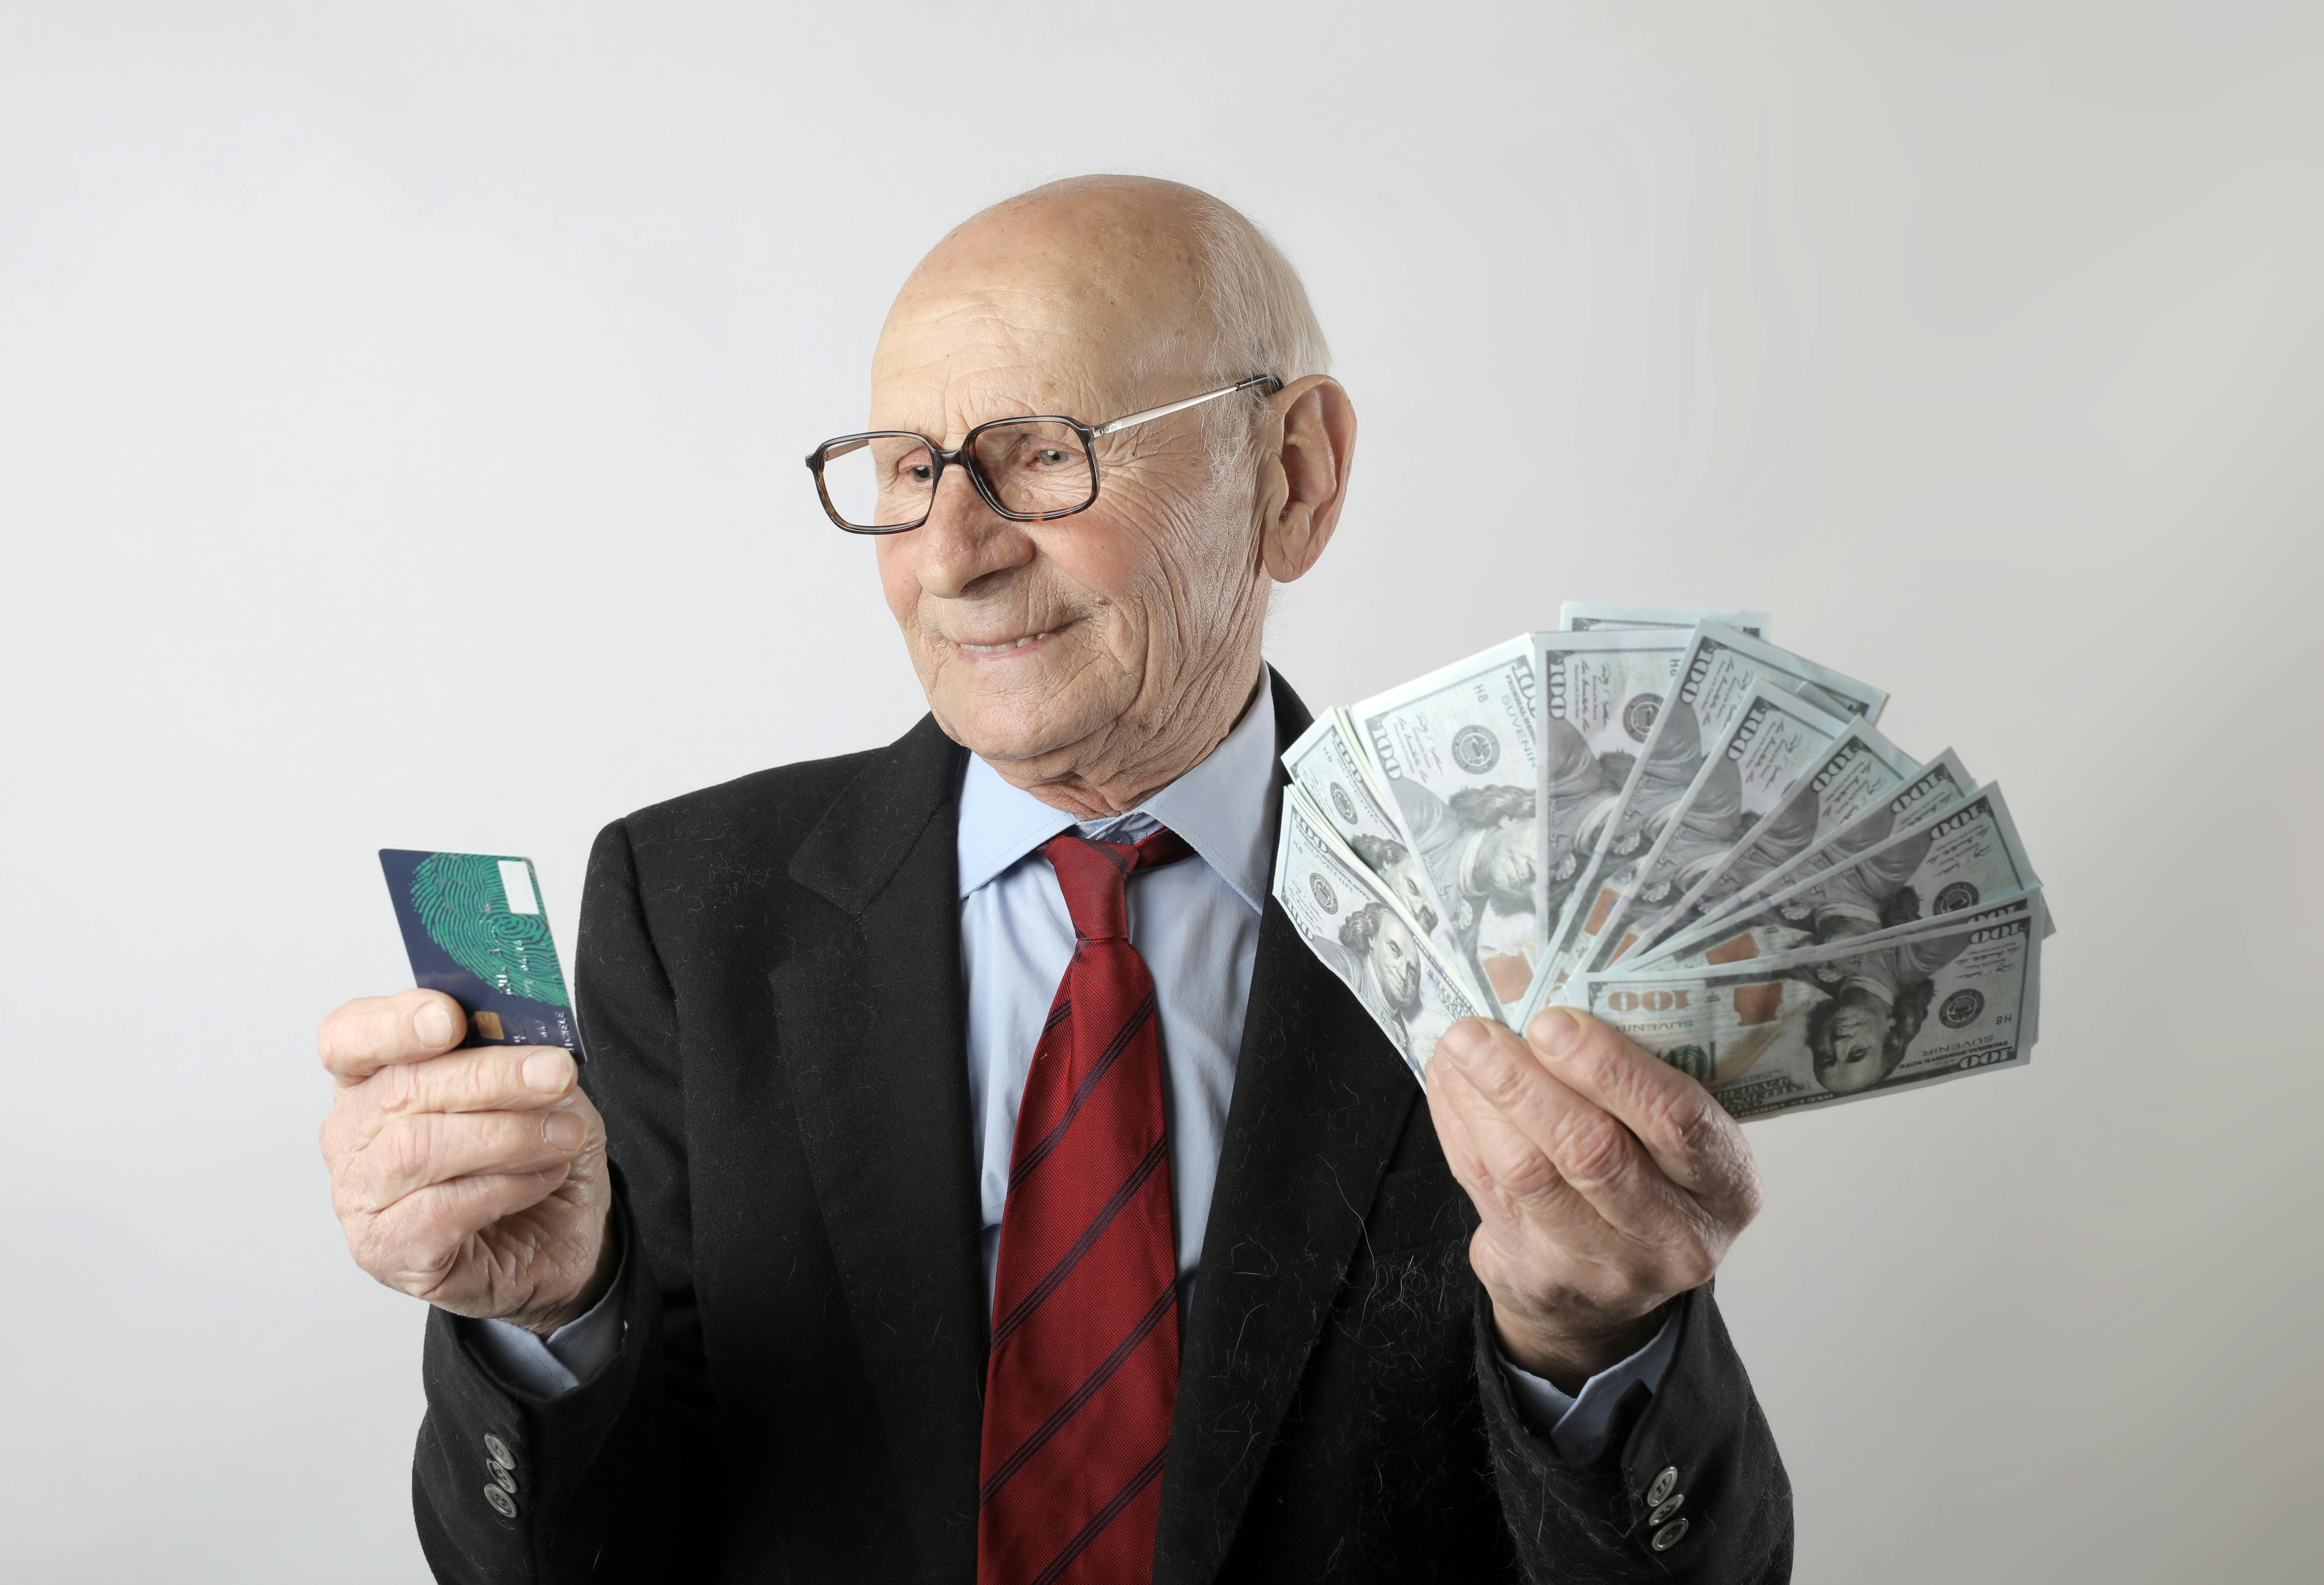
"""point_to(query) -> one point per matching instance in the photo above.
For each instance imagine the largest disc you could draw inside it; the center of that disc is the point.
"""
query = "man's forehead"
(977, 355)
(1071, 319)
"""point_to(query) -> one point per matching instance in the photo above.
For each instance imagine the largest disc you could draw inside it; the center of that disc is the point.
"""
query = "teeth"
(1004, 648)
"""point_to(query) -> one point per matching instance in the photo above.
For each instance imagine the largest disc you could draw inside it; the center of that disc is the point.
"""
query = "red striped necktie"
(1084, 1371)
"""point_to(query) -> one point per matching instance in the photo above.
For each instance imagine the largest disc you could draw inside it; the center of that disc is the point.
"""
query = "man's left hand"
(1607, 1183)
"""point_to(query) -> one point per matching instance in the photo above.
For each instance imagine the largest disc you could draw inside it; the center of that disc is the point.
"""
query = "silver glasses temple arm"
(1169, 407)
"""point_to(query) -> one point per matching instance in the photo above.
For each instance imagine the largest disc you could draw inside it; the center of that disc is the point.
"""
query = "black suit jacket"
(770, 994)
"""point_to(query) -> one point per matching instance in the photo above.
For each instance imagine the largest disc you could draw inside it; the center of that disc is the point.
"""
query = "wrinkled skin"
(474, 1179)
(1144, 611)
(1607, 1182)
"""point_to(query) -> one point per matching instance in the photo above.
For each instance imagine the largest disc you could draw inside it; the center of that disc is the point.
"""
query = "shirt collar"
(1220, 807)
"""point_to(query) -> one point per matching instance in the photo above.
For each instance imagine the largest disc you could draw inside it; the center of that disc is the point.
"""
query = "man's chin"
(1012, 729)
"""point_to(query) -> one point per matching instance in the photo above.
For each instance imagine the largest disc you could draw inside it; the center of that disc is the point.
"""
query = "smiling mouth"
(1007, 646)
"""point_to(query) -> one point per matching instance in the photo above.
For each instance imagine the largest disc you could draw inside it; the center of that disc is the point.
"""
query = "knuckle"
(405, 1148)
(403, 1248)
(344, 1039)
(331, 1046)
(1591, 1147)
(1486, 1260)
(1529, 1175)
(372, 1251)
(1498, 1071)
(398, 1089)
(1688, 1267)
(1680, 1121)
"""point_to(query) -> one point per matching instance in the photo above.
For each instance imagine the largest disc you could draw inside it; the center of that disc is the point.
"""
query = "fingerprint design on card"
(485, 914)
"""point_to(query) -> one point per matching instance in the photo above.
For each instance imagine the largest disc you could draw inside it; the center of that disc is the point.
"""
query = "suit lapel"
(1320, 1100)
(874, 1047)
(873, 1034)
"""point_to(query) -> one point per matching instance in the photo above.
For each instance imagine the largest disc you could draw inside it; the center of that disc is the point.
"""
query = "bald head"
(1094, 656)
(1165, 287)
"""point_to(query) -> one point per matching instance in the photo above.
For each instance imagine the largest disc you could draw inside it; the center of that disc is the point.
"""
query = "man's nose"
(964, 541)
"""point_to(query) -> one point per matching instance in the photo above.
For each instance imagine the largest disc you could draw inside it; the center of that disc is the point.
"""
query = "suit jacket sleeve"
(602, 1486)
(1577, 1524)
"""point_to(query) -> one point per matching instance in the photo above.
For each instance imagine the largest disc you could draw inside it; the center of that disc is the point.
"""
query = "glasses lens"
(878, 480)
(1034, 466)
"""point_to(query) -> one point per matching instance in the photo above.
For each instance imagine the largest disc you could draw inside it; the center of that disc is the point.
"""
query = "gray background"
(400, 412)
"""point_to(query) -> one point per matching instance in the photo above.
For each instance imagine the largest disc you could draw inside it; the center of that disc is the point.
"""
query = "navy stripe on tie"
(1105, 1516)
(1098, 1070)
(1082, 1246)
(1058, 1015)
(1110, 851)
(1071, 1406)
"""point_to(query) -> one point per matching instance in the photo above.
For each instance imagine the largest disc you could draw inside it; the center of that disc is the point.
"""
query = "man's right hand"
(472, 1178)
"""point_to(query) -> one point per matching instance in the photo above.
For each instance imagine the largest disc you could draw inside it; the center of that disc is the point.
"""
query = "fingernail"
(563, 1131)
(547, 1072)
(432, 1023)
(1464, 1040)
(1556, 1031)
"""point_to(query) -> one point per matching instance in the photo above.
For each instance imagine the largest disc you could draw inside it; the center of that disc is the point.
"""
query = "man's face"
(1505, 862)
(1397, 961)
(1053, 642)
(1856, 1033)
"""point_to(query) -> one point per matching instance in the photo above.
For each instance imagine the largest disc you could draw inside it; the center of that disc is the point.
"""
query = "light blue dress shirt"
(1196, 925)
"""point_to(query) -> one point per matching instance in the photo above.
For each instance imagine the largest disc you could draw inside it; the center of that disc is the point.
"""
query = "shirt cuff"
(567, 1358)
(1576, 1425)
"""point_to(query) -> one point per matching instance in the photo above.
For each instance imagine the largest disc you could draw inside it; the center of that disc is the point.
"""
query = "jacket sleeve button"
(1670, 1535)
(1663, 1511)
(505, 1505)
(1664, 1484)
(498, 1450)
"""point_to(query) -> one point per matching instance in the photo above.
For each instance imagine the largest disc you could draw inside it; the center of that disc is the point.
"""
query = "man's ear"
(1303, 485)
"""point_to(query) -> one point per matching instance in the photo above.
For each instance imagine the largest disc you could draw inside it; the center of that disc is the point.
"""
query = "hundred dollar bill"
(1967, 855)
(1362, 936)
(1943, 782)
(1776, 736)
(1326, 765)
(1714, 685)
(1583, 616)
(1456, 751)
(1855, 769)
(1884, 1013)
(1600, 693)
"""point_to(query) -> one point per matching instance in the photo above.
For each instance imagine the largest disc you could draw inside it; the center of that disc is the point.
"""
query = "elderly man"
(977, 1177)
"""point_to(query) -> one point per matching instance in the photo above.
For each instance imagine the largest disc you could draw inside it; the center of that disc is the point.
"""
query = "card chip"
(488, 1025)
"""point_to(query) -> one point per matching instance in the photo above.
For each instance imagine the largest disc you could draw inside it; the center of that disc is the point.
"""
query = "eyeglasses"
(1029, 470)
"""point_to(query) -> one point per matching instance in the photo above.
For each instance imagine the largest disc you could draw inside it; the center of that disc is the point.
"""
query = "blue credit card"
(475, 930)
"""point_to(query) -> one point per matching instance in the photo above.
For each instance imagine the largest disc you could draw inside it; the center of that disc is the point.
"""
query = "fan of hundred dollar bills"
(1658, 816)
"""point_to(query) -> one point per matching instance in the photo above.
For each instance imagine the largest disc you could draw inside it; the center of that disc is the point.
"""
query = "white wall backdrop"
(400, 409)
